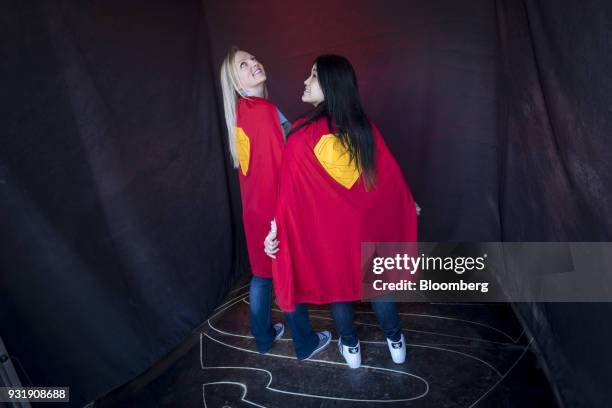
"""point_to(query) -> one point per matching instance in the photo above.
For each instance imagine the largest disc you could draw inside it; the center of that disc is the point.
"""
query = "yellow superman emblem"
(243, 150)
(335, 159)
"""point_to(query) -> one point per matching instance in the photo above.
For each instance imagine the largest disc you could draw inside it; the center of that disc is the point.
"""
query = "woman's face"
(313, 92)
(250, 72)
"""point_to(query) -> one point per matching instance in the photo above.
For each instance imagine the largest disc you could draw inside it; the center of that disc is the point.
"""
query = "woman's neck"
(257, 90)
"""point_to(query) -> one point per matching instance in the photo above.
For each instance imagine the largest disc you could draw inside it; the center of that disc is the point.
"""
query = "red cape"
(260, 160)
(322, 223)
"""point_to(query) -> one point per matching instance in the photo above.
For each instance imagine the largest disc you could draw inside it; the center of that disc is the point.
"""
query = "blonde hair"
(230, 88)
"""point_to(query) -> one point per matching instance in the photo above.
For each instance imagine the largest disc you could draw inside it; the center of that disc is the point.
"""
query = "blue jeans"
(260, 300)
(386, 313)
(305, 339)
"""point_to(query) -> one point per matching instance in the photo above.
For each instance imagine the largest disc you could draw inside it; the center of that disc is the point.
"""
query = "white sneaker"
(397, 350)
(352, 355)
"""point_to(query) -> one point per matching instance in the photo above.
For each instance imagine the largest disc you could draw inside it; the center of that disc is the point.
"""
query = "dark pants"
(386, 313)
(305, 340)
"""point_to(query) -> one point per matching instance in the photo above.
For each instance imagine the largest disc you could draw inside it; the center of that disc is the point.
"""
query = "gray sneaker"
(279, 328)
(324, 340)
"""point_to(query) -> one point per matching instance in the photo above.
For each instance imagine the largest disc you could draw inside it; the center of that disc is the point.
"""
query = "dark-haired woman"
(339, 186)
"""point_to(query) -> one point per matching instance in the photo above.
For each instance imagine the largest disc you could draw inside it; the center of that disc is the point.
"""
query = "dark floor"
(459, 355)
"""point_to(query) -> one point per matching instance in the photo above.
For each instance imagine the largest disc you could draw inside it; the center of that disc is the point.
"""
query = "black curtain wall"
(556, 169)
(120, 217)
(117, 236)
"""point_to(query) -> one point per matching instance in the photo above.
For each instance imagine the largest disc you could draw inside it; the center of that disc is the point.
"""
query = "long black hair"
(344, 112)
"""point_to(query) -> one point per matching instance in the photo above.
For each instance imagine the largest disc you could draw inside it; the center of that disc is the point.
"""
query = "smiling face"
(249, 71)
(312, 92)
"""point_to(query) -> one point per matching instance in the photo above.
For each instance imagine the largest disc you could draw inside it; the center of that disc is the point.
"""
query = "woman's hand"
(418, 209)
(271, 243)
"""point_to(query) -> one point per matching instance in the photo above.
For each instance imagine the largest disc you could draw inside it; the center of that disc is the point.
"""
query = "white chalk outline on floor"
(237, 289)
(365, 341)
(310, 359)
(439, 317)
(315, 361)
(526, 348)
(504, 376)
(448, 318)
(408, 314)
(410, 330)
(244, 392)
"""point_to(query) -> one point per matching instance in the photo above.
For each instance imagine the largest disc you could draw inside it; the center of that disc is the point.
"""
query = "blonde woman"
(256, 141)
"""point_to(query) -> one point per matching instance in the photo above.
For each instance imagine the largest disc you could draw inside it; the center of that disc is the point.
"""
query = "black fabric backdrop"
(556, 169)
(117, 229)
(120, 217)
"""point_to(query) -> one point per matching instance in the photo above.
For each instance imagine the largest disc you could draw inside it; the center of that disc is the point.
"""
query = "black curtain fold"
(556, 169)
(114, 180)
(556, 87)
